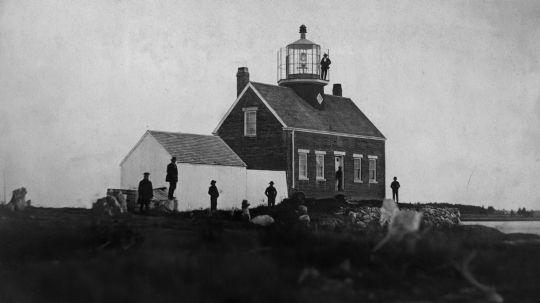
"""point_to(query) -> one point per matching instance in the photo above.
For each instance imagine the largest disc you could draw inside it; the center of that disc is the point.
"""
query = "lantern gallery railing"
(300, 61)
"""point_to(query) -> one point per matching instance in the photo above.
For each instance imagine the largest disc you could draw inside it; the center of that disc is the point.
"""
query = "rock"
(304, 218)
(361, 224)
(264, 220)
(388, 209)
(327, 224)
(100, 207)
(122, 200)
(18, 201)
(405, 224)
(107, 205)
(352, 217)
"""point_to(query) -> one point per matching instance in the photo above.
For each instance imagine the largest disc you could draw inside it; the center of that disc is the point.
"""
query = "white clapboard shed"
(200, 159)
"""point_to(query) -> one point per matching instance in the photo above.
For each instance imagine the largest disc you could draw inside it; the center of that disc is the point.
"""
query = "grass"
(67, 255)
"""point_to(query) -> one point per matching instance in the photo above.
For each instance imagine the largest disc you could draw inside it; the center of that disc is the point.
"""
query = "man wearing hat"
(271, 193)
(325, 65)
(172, 177)
(146, 193)
(395, 188)
(214, 194)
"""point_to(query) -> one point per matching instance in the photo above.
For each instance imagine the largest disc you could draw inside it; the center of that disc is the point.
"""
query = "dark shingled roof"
(197, 149)
(340, 114)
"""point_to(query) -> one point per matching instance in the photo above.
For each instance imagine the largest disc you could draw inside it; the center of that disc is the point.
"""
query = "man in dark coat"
(339, 178)
(214, 194)
(146, 193)
(271, 193)
(395, 188)
(325, 65)
(172, 177)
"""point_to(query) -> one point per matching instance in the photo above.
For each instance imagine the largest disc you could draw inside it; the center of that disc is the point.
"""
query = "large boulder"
(388, 211)
(107, 206)
(166, 206)
(404, 226)
(18, 201)
(122, 200)
(264, 220)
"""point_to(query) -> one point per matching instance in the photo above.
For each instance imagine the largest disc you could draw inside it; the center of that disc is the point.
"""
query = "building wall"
(148, 156)
(257, 182)
(329, 143)
(194, 181)
(267, 150)
(271, 150)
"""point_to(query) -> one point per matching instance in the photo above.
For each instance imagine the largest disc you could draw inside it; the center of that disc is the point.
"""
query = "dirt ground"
(68, 255)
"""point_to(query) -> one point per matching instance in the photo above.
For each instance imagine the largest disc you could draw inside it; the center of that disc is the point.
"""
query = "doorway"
(339, 163)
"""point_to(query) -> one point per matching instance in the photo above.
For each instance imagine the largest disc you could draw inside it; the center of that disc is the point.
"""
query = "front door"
(339, 163)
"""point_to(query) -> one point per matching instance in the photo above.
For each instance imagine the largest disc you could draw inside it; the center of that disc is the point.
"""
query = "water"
(526, 227)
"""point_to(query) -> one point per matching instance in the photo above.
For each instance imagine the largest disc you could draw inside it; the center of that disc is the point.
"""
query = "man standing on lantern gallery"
(325, 65)
(172, 177)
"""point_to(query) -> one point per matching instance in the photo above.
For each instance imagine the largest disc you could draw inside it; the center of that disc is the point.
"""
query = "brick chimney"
(336, 90)
(242, 79)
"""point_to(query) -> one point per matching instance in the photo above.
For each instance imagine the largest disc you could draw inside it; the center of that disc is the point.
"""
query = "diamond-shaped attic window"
(320, 98)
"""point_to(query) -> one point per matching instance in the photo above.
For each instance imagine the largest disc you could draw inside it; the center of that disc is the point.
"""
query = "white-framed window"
(302, 164)
(372, 169)
(250, 121)
(357, 168)
(319, 164)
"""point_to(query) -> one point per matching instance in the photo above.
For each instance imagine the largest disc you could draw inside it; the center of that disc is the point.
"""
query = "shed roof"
(197, 149)
(340, 114)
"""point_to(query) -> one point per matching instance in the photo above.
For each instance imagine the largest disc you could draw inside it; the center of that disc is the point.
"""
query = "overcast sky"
(453, 85)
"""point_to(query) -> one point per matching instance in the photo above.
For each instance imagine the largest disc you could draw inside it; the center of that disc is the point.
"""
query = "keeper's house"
(296, 128)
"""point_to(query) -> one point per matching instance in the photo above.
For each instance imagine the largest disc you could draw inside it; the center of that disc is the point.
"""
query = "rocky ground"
(69, 255)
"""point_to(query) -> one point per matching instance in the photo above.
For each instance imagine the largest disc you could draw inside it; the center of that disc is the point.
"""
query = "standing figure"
(395, 188)
(214, 194)
(339, 178)
(271, 193)
(172, 177)
(325, 65)
(146, 193)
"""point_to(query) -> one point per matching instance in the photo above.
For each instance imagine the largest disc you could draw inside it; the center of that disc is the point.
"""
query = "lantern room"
(300, 61)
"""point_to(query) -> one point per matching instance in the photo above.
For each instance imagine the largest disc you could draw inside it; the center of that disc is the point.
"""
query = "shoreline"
(468, 218)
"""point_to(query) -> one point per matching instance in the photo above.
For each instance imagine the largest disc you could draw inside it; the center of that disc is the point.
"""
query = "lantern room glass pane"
(303, 61)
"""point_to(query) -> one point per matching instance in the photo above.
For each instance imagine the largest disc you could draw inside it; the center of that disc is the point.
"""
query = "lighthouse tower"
(299, 68)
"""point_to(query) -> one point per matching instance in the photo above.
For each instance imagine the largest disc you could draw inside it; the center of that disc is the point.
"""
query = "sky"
(453, 85)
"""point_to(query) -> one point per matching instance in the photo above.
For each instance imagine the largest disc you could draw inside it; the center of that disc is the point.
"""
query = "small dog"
(246, 217)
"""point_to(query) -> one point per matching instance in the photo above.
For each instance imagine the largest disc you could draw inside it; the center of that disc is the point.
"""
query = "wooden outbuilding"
(200, 159)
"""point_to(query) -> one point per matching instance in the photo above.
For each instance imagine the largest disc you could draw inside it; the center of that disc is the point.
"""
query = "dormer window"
(250, 121)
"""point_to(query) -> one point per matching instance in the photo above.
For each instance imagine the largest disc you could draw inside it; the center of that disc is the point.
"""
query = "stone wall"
(432, 216)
